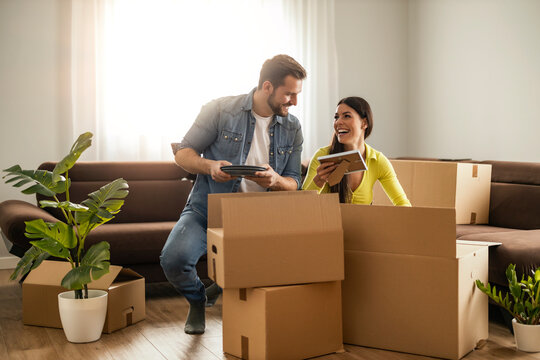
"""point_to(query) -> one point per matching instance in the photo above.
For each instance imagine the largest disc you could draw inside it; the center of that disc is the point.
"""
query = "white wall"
(371, 40)
(445, 78)
(474, 79)
(32, 88)
(31, 74)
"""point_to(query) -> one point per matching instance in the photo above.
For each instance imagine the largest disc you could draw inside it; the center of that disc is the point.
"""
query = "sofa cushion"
(468, 229)
(514, 172)
(158, 191)
(521, 247)
(514, 206)
(133, 243)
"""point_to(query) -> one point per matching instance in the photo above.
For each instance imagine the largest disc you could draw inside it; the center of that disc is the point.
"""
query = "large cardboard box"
(408, 287)
(274, 239)
(463, 186)
(283, 322)
(40, 289)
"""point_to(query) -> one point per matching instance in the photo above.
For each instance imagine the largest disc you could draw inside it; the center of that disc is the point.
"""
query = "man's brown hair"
(278, 68)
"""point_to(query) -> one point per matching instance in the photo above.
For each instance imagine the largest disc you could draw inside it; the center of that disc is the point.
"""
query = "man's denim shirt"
(224, 130)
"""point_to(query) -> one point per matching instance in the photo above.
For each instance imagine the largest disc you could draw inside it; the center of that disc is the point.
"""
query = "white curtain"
(141, 69)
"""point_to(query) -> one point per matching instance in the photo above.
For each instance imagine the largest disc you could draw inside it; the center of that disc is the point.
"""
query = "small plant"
(524, 305)
(66, 239)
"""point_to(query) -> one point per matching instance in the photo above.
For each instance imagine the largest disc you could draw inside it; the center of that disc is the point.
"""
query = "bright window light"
(162, 60)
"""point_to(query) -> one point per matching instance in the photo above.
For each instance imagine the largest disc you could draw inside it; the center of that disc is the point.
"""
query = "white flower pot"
(527, 336)
(83, 319)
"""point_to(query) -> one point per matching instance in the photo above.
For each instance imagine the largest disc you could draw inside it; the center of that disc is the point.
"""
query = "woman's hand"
(323, 172)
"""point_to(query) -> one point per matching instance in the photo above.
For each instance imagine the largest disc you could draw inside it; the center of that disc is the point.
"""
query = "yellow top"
(378, 168)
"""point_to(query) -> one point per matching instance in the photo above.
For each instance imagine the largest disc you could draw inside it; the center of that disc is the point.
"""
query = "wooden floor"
(161, 335)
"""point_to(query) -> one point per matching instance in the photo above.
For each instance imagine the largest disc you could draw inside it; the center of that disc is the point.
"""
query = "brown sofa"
(158, 192)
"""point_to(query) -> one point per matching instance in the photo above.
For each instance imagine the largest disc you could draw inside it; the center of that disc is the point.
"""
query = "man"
(251, 129)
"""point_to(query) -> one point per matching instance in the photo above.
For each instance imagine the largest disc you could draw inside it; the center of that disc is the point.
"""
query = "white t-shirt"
(258, 152)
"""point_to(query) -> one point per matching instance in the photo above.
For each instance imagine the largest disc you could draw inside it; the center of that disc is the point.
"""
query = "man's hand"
(323, 172)
(216, 173)
(267, 179)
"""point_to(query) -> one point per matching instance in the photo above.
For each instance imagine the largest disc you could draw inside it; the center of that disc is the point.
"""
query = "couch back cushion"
(515, 194)
(158, 190)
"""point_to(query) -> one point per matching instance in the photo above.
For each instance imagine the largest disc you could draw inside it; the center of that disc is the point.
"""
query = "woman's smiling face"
(349, 127)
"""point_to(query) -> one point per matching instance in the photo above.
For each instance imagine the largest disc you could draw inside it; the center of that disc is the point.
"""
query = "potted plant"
(66, 239)
(523, 305)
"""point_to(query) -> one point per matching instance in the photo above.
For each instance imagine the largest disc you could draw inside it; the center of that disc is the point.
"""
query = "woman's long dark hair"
(363, 109)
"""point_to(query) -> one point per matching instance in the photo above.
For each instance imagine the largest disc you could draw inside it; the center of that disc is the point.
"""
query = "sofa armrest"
(13, 214)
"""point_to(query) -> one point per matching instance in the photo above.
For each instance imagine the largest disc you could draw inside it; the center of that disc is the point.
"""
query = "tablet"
(242, 170)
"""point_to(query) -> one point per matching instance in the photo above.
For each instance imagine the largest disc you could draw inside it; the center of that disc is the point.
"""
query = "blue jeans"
(185, 245)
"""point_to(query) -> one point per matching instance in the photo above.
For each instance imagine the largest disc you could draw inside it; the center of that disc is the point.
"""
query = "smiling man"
(252, 129)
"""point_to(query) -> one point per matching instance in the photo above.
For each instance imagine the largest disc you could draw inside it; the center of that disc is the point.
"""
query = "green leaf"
(94, 265)
(103, 204)
(82, 143)
(97, 255)
(59, 232)
(77, 277)
(515, 289)
(528, 306)
(66, 205)
(52, 247)
(31, 259)
(41, 180)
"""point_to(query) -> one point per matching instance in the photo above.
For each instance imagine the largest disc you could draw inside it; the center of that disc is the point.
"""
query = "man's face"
(285, 95)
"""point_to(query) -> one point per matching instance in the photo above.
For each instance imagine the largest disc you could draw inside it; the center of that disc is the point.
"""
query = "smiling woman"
(353, 122)
(156, 63)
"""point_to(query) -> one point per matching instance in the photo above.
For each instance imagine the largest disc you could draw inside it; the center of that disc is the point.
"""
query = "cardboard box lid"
(400, 230)
(251, 216)
(423, 181)
(215, 219)
(52, 272)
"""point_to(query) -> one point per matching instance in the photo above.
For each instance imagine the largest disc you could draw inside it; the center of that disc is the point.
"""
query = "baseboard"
(8, 262)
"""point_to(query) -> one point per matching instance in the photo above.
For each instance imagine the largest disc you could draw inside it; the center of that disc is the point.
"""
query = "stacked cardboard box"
(408, 286)
(464, 187)
(279, 258)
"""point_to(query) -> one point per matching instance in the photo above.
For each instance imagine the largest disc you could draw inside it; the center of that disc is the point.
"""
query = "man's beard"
(277, 109)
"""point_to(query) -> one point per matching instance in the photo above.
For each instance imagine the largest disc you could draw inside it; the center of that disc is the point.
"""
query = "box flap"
(48, 273)
(52, 272)
(214, 202)
(474, 185)
(426, 179)
(400, 230)
(106, 280)
(278, 214)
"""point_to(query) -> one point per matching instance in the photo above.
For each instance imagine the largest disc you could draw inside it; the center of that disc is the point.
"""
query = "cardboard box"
(463, 186)
(40, 289)
(284, 322)
(278, 238)
(408, 286)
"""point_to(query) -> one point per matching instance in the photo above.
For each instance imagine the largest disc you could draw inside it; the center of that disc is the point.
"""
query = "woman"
(353, 123)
